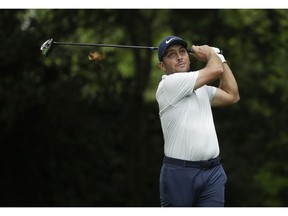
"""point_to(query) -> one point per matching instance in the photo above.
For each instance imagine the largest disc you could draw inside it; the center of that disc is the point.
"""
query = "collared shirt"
(186, 117)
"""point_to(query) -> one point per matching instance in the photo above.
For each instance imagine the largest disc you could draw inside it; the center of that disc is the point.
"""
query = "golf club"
(47, 46)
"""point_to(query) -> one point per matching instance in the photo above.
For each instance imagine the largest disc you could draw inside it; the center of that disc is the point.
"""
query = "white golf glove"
(218, 52)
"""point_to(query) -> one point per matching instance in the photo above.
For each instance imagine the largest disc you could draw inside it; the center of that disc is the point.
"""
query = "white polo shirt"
(186, 117)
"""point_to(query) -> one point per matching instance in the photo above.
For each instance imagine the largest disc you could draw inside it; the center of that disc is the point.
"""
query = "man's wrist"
(223, 60)
(218, 52)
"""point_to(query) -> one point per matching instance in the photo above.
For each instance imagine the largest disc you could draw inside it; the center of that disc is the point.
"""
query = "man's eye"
(182, 51)
(171, 54)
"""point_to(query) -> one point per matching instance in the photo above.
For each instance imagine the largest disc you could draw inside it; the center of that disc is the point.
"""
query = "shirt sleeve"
(179, 85)
(211, 91)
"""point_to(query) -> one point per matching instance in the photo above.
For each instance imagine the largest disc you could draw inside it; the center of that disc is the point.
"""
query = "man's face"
(176, 59)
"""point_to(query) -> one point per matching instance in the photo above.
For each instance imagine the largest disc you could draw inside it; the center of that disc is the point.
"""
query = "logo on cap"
(168, 41)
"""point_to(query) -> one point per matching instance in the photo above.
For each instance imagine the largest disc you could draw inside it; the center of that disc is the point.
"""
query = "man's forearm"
(228, 82)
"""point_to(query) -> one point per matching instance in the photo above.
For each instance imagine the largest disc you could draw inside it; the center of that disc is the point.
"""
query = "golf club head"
(47, 47)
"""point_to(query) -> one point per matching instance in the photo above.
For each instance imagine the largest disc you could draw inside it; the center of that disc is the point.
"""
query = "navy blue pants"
(188, 185)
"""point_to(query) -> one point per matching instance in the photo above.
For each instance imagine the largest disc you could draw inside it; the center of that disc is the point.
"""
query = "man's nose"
(179, 56)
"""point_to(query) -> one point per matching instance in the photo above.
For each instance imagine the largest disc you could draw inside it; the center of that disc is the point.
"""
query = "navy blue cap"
(167, 42)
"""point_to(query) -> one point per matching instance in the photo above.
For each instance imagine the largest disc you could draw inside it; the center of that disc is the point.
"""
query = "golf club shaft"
(104, 45)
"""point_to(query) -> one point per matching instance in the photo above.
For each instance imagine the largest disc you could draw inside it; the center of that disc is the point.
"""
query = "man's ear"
(161, 65)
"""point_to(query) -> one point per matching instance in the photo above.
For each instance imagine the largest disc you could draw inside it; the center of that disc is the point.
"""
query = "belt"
(203, 164)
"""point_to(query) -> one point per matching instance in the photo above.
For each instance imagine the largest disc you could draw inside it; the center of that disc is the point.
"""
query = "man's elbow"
(236, 99)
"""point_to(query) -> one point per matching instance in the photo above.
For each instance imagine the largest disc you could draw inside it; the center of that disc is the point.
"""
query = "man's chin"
(182, 69)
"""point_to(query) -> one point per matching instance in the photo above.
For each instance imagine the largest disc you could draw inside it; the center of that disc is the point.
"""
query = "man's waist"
(203, 164)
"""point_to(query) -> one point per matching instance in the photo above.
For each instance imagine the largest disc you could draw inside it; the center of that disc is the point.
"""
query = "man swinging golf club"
(191, 173)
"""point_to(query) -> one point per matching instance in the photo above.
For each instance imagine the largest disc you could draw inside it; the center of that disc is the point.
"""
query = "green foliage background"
(80, 133)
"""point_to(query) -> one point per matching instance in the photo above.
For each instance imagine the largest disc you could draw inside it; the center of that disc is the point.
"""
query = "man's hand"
(203, 53)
